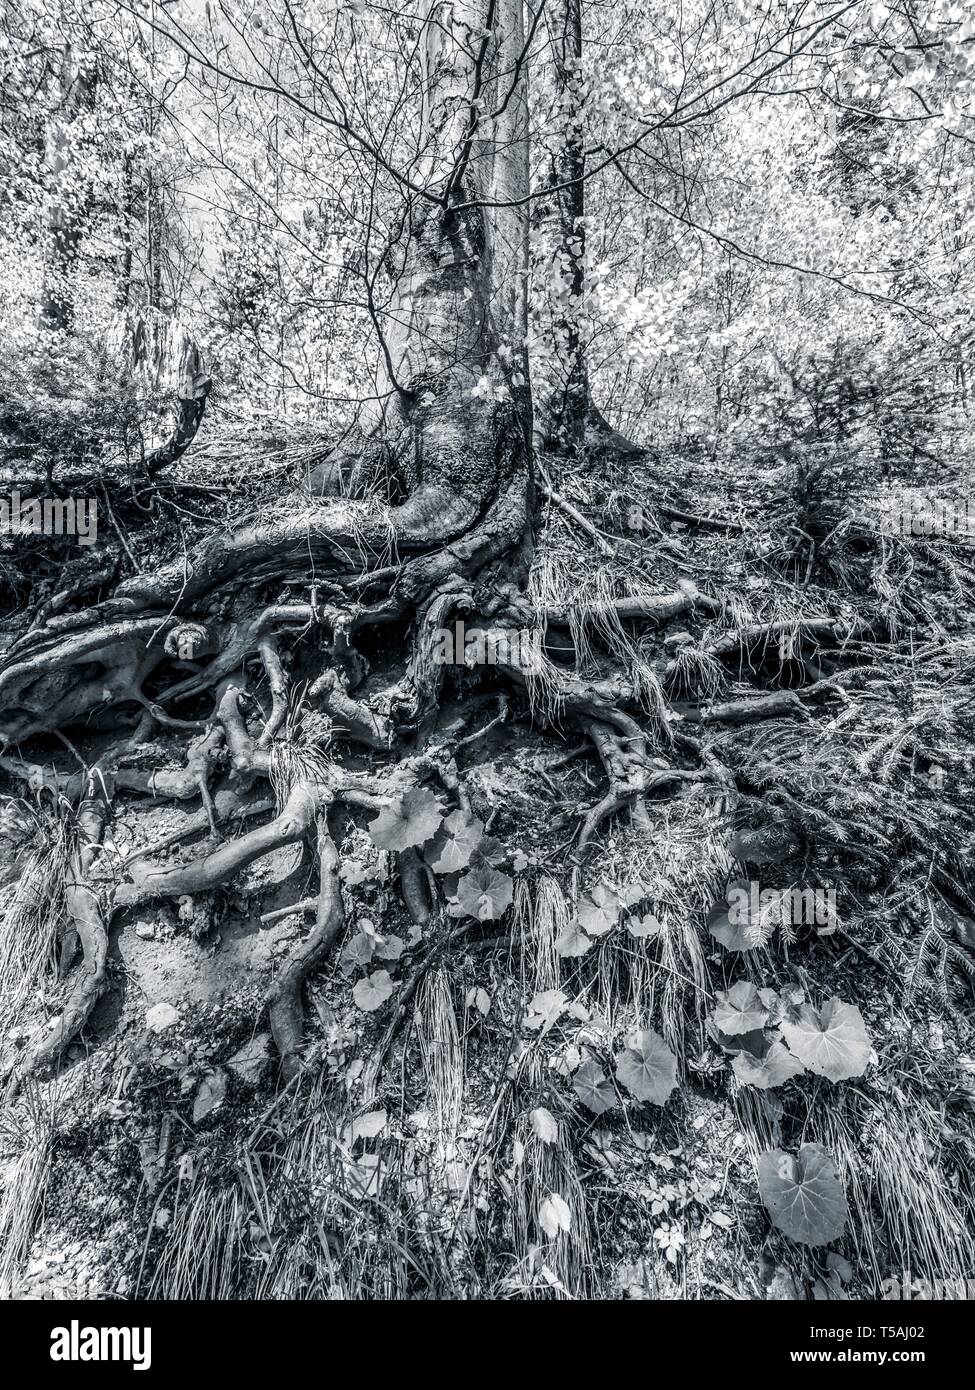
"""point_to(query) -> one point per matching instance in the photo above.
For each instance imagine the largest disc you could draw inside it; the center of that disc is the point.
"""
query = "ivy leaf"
(647, 1067)
(733, 936)
(573, 941)
(774, 1069)
(803, 1194)
(634, 893)
(599, 911)
(485, 893)
(593, 1088)
(359, 950)
(832, 1041)
(545, 1009)
(408, 821)
(456, 841)
(545, 1125)
(644, 926)
(740, 1009)
(554, 1215)
(390, 948)
(372, 992)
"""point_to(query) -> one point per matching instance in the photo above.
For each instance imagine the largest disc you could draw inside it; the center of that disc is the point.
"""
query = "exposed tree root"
(84, 909)
(287, 1014)
(206, 625)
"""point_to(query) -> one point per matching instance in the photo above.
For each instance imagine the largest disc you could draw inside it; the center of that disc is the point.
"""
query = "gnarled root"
(287, 1026)
(85, 913)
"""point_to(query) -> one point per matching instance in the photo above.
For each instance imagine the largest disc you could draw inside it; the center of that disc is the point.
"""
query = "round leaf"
(485, 893)
(573, 941)
(599, 912)
(408, 821)
(740, 1009)
(803, 1194)
(456, 841)
(774, 1069)
(593, 1088)
(832, 1041)
(372, 992)
(647, 1068)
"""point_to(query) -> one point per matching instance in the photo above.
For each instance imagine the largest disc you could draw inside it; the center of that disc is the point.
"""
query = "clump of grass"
(546, 1265)
(683, 864)
(441, 1052)
(907, 1218)
(540, 917)
(27, 1135)
(696, 672)
(33, 914)
(300, 754)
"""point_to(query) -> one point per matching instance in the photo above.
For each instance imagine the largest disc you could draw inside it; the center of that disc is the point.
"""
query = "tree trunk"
(563, 390)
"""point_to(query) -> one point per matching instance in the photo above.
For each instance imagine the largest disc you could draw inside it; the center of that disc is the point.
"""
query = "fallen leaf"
(210, 1095)
(545, 1125)
(554, 1215)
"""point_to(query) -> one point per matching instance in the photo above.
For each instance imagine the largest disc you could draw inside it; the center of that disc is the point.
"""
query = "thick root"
(85, 913)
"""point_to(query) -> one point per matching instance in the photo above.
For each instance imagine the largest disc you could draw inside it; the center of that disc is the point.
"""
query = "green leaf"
(359, 950)
(545, 1125)
(803, 1194)
(647, 1068)
(732, 935)
(774, 1069)
(455, 843)
(390, 947)
(554, 1215)
(372, 992)
(408, 821)
(832, 1041)
(599, 911)
(485, 893)
(545, 1009)
(644, 926)
(594, 1088)
(739, 1009)
(573, 941)
(634, 893)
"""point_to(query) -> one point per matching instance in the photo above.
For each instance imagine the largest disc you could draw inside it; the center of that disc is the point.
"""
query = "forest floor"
(414, 1153)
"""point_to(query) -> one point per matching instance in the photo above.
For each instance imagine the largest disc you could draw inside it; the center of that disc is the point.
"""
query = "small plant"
(774, 1037)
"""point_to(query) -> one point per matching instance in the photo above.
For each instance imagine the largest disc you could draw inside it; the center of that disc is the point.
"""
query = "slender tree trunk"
(563, 387)
(453, 371)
